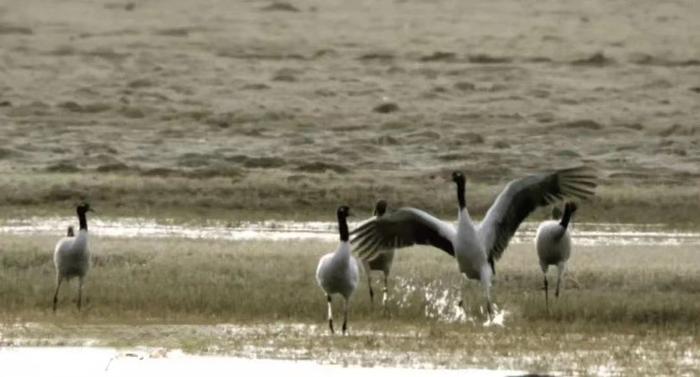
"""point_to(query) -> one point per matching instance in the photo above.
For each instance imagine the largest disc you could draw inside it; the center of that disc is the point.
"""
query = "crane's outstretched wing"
(401, 228)
(522, 196)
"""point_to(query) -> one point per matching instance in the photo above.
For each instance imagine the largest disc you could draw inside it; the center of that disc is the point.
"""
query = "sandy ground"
(87, 361)
(239, 89)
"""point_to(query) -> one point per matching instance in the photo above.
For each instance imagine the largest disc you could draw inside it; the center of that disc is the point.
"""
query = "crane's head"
(83, 208)
(458, 177)
(380, 208)
(344, 211)
(570, 207)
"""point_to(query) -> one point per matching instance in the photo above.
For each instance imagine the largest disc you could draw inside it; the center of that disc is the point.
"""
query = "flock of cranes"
(475, 246)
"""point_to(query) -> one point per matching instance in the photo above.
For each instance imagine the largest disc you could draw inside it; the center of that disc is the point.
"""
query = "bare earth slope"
(250, 106)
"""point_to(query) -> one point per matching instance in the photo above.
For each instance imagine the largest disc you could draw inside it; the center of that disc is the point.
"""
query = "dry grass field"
(252, 108)
(626, 308)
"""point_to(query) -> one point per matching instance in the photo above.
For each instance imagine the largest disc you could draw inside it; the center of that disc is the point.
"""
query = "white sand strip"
(92, 361)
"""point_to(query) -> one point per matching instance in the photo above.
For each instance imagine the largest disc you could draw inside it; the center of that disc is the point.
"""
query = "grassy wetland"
(624, 308)
(191, 111)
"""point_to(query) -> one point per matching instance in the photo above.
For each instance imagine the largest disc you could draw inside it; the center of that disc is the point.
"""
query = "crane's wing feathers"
(522, 196)
(401, 228)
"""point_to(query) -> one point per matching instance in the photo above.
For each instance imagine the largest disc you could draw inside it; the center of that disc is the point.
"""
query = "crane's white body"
(71, 256)
(470, 251)
(338, 272)
(553, 243)
(383, 263)
(553, 247)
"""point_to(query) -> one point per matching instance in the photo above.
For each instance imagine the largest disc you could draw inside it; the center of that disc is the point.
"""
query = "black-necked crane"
(338, 271)
(381, 261)
(553, 243)
(71, 257)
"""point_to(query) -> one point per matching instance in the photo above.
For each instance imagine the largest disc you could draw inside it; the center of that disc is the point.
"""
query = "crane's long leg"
(546, 286)
(486, 274)
(546, 293)
(80, 292)
(560, 271)
(462, 292)
(385, 295)
(59, 279)
(489, 304)
(330, 314)
(369, 283)
(346, 304)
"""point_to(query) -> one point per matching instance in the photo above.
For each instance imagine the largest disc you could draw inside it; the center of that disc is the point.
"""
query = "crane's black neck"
(343, 227)
(568, 212)
(82, 219)
(460, 195)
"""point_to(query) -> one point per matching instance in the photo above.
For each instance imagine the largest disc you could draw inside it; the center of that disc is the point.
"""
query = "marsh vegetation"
(260, 298)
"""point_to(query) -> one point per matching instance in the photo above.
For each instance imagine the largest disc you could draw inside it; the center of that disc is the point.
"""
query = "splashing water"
(441, 302)
(498, 319)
